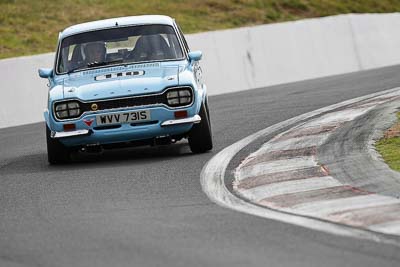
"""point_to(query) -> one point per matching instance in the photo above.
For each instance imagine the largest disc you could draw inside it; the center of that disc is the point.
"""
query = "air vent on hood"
(119, 74)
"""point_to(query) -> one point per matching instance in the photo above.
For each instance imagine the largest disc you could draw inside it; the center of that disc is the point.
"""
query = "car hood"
(121, 82)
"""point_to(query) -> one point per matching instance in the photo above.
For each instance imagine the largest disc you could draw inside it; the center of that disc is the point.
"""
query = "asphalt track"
(145, 206)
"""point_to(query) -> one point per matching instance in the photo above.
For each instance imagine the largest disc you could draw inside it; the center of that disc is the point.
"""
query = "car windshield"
(118, 46)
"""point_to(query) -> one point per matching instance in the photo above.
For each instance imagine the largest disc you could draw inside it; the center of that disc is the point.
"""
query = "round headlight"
(62, 114)
(185, 96)
(73, 105)
(60, 107)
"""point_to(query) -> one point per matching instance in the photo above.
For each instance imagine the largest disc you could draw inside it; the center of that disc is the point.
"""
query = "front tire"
(200, 137)
(57, 153)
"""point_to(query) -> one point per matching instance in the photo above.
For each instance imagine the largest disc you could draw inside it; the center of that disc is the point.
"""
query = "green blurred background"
(31, 26)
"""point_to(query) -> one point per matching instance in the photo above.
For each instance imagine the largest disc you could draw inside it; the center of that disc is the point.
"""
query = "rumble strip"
(284, 181)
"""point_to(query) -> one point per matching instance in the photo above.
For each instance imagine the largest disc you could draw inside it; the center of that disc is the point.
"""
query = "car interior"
(146, 48)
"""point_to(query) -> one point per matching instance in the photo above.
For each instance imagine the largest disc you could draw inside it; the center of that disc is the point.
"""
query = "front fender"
(46, 117)
(205, 95)
(198, 101)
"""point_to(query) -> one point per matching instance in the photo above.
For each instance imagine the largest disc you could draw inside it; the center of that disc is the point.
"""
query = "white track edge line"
(213, 174)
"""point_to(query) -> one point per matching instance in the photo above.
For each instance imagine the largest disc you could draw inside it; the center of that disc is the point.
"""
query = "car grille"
(145, 100)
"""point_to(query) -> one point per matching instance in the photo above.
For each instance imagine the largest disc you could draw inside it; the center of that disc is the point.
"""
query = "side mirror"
(195, 56)
(45, 73)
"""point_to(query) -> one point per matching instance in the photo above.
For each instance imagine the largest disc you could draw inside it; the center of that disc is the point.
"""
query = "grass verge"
(389, 146)
(31, 27)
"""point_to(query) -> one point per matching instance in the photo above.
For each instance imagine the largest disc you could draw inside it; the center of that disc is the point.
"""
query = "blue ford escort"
(125, 82)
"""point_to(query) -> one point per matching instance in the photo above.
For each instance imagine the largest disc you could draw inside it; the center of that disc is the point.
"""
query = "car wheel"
(57, 153)
(200, 138)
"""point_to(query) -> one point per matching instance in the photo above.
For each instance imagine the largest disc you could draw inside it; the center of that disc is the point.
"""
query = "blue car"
(125, 82)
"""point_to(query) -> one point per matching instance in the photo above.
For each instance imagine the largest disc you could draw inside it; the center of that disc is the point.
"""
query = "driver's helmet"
(95, 52)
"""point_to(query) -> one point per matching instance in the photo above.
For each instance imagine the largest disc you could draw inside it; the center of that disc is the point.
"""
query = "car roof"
(114, 22)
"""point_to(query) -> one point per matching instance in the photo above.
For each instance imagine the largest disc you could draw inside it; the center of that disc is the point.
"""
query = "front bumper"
(57, 135)
(195, 119)
(84, 132)
(163, 124)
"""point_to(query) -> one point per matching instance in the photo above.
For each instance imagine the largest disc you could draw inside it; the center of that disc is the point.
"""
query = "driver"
(95, 52)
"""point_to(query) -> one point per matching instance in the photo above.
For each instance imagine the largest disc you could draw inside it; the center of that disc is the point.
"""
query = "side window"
(183, 38)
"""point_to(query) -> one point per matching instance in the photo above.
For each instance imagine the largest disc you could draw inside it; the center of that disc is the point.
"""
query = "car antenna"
(116, 23)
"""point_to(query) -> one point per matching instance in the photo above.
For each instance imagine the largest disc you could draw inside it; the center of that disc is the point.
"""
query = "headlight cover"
(67, 110)
(179, 97)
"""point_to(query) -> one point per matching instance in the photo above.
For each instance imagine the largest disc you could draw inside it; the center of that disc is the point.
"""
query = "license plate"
(123, 117)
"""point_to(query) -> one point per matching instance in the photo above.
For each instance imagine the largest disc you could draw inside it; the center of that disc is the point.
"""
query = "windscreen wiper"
(103, 63)
(73, 70)
(96, 64)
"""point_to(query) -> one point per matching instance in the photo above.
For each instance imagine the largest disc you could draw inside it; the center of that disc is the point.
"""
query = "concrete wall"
(286, 52)
(23, 93)
(241, 59)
